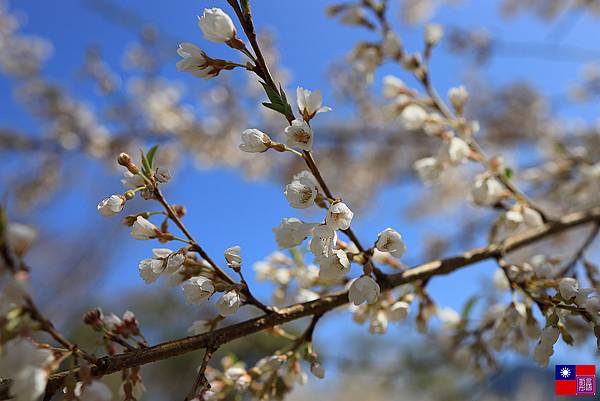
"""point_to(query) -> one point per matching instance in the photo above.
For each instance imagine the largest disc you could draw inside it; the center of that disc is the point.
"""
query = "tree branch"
(112, 364)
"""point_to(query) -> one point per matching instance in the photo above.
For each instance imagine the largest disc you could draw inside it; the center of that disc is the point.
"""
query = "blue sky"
(223, 206)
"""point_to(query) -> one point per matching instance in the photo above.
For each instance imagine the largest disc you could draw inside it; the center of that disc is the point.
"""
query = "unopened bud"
(129, 195)
(124, 159)
(94, 318)
(179, 210)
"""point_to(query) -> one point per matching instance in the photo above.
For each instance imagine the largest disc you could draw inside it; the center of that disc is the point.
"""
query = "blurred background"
(82, 80)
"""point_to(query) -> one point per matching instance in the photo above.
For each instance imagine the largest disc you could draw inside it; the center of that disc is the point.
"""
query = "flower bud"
(124, 159)
(94, 318)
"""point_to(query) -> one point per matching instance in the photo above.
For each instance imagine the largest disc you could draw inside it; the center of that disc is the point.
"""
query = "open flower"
(142, 229)
(229, 303)
(339, 216)
(27, 366)
(335, 266)
(112, 205)
(486, 190)
(454, 152)
(163, 260)
(302, 191)
(255, 141)
(568, 287)
(322, 242)
(299, 135)
(216, 25)
(132, 181)
(93, 391)
(197, 289)
(291, 232)
(363, 289)
(233, 258)
(390, 240)
(194, 61)
(310, 103)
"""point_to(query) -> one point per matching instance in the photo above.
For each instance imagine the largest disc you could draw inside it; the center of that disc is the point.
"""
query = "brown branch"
(112, 364)
(48, 327)
(201, 384)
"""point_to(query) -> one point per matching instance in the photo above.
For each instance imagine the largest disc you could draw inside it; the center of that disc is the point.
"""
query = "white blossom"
(27, 366)
(216, 25)
(235, 372)
(164, 260)
(263, 270)
(112, 321)
(291, 232)
(486, 190)
(458, 97)
(254, 141)
(94, 391)
(513, 218)
(335, 266)
(568, 287)
(112, 205)
(307, 275)
(392, 46)
(301, 192)
(197, 289)
(428, 169)
(500, 280)
(282, 276)
(413, 116)
(393, 86)
(389, 240)
(310, 103)
(229, 303)
(379, 322)
(299, 135)
(322, 242)
(194, 61)
(363, 289)
(398, 311)
(449, 317)
(233, 258)
(532, 217)
(150, 270)
(142, 229)
(132, 181)
(545, 348)
(433, 34)
(339, 216)
(454, 152)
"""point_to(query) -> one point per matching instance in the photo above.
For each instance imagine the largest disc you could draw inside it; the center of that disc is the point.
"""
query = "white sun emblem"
(565, 372)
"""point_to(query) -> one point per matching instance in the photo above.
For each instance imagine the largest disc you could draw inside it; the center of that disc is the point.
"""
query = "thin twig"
(250, 298)
(201, 383)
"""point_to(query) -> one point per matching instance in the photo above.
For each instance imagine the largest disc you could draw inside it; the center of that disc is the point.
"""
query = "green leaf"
(273, 96)
(468, 307)
(146, 169)
(150, 156)
(277, 107)
(508, 172)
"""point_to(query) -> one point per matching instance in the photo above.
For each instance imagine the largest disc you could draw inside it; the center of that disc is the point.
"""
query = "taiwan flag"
(575, 379)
